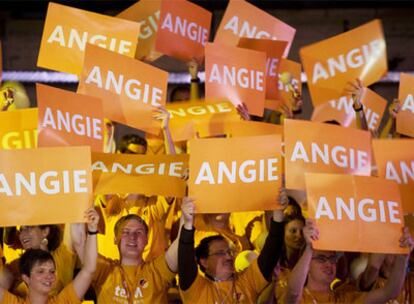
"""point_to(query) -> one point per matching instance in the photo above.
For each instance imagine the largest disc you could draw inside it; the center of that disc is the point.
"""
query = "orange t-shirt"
(245, 288)
(147, 283)
(66, 296)
(336, 296)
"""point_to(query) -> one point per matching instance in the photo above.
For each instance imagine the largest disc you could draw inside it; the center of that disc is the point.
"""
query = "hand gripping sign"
(405, 118)
(242, 19)
(67, 30)
(395, 161)
(236, 74)
(324, 148)
(330, 64)
(235, 174)
(18, 129)
(183, 30)
(69, 119)
(341, 110)
(45, 185)
(129, 88)
(355, 213)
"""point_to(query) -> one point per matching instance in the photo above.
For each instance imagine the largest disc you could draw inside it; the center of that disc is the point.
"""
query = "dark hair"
(134, 139)
(55, 236)
(202, 250)
(31, 257)
(179, 88)
(332, 122)
(129, 217)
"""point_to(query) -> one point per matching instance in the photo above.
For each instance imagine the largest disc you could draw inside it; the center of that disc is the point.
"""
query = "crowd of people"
(137, 249)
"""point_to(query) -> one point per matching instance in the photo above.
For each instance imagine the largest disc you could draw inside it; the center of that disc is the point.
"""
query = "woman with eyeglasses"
(311, 277)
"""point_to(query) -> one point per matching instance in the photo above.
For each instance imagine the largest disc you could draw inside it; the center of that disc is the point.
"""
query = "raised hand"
(92, 219)
(187, 209)
(243, 111)
(310, 232)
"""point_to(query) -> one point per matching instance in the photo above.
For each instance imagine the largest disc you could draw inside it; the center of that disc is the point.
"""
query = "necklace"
(222, 298)
(125, 282)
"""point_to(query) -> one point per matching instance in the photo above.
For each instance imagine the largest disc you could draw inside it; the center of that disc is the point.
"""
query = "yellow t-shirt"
(147, 283)
(245, 288)
(154, 214)
(66, 296)
(338, 296)
(65, 261)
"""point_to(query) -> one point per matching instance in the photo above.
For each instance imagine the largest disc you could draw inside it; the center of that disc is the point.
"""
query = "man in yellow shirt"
(131, 279)
(220, 282)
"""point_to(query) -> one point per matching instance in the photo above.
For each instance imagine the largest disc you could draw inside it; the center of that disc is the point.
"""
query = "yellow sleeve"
(103, 269)
(253, 278)
(9, 298)
(67, 296)
(65, 261)
(161, 273)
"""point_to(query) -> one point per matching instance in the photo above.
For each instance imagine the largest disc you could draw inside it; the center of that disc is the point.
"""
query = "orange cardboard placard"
(45, 185)
(242, 19)
(342, 111)
(18, 129)
(205, 118)
(395, 161)
(146, 13)
(129, 88)
(67, 30)
(355, 213)
(252, 128)
(69, 119)
(274, 51)
(324, 148)
(405, 117)
(237, 74)
(330, 64)
(235, 174)
(140, 174)
(183, 31)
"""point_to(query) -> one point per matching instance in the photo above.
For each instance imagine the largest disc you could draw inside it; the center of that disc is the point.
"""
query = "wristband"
(195, 80)
(92, 232)
(359, 109)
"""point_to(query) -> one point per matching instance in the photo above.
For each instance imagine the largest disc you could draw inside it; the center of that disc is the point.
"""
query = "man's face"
(323, 267)
(220, 260)
(132, 239)
(42, 277)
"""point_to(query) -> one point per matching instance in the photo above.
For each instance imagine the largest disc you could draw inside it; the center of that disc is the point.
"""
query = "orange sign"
(342, 111)
(69, 119)
(45, 185)
(184, 29)
(67, 30)
(330, 64)
(324, 148)
(147, 14)
(405, 118)
(274, 51)
(236, 174)
(242, 19)
(395, 161)
(207, 118)
(355, 213)
(143, 174)
(128, 87)
(252, 128)
(237, 74)
(18, 129)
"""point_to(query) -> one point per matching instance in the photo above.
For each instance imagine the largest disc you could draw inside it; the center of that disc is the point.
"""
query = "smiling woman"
(47, 238)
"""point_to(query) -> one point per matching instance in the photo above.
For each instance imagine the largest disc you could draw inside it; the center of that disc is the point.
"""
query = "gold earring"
(45, 242)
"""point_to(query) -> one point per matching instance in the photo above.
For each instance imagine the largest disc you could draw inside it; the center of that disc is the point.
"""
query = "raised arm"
(164, 116)
(272, 249)
(299, 273)
(396, 280)
(389, 130)
(83, 279)
(195, 81)
(187, 265)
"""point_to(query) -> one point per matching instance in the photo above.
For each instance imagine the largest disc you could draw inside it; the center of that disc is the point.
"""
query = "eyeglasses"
(223, 253)
(323, 259)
